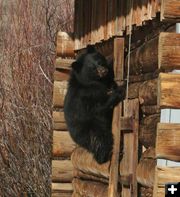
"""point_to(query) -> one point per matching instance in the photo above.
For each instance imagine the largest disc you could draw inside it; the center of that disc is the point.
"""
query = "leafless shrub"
(28, 31)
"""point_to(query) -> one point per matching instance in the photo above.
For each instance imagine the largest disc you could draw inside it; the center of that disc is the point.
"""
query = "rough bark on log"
(84, 161)
(169, 90)
(147, 134)
(133, 90)
(148, 92)
(143, 77)
(65, 45)
(62, 171)
(63, 145)
(90, 188)
(170, 10)
(146, 168)
(150, 109)
(144, 59)
(79, 174)
(168, 141)
(59, 92)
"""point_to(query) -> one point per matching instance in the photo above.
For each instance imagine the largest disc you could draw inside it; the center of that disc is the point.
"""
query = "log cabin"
(142, 37)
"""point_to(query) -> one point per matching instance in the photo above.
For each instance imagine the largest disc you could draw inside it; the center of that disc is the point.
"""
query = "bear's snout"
(102, 71)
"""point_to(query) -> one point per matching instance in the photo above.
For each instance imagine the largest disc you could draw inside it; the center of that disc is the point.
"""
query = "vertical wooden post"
(114, 168)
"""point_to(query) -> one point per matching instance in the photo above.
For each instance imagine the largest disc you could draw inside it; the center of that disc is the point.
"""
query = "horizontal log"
(63, 64)
(168, 141)
(146, 168)
(84, 176)
(75, 194)
(169, 90)
(63, 145)
(143, 77)
(62, 189)
(58, 116)
(59, 121)
(65, 44)
(90, 188)
(125, 180)
(165, 175)
(169, 51)
(59, 92)
(63, 194)
(141, 60)
(147, 134)
(148, 92)
(62, 171)
(83, 160)
(61, 75)
(150, 109)
(133, 90)
(170, 10)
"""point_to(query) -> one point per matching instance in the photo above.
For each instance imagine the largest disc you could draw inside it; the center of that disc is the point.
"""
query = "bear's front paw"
(103, 156)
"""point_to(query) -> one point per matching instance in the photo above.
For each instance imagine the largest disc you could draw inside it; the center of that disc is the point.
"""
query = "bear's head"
(91, 66)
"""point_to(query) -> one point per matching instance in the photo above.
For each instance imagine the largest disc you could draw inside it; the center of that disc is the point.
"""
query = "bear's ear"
(91, 49)
(76, 66)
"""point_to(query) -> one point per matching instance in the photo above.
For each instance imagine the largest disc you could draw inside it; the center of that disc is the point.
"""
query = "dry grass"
(27, 50)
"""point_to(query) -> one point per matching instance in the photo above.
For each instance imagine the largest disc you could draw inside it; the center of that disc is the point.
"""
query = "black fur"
(89, 102)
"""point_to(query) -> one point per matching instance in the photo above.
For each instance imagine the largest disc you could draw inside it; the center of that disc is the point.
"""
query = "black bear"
(92, 94)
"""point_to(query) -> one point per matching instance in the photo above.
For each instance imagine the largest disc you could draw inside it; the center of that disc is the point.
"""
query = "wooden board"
(168, 141)
(62, 171)
(129, 161)
(169, 51)
(116, 127)
(165, 175)
(63, 145)
(170, 10)
(169, 90)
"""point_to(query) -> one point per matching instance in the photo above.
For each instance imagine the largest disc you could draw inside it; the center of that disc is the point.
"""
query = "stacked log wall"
(63, 145)
(145, 84)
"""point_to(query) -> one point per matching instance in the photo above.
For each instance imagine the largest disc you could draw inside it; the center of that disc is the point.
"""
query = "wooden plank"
(129, 160)
(62, 171)
(63, 145)
(165, 175)
(168, 141)
(169, 90)
(126, 123)
(169, 51)
(170, 10)
(114, 168)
